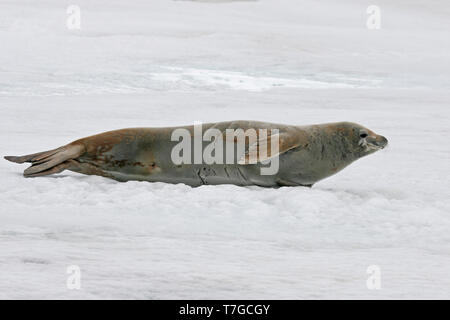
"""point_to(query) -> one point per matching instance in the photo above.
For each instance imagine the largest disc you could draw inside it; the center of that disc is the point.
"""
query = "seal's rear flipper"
(49, 162)
(56, 169)
(32, 157)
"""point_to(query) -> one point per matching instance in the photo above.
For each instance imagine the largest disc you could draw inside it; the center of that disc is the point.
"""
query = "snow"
(159, 63)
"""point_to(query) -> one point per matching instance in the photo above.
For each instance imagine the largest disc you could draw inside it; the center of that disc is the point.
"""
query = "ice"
(166, 63)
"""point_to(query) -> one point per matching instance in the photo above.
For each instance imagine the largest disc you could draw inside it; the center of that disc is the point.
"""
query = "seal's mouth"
(373, 143)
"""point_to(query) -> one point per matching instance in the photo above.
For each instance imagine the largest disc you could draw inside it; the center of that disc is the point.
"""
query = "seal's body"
(306, 154)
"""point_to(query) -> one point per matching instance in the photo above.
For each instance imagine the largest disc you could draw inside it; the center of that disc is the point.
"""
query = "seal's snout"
(375, 142)
(381, 142)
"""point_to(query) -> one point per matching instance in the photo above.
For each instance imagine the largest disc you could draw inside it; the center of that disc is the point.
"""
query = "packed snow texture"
(147, 63)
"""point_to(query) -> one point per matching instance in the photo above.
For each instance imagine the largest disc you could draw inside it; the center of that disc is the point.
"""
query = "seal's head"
(360, 140)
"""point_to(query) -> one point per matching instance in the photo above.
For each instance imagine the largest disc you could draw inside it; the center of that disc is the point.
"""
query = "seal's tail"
(49, 162)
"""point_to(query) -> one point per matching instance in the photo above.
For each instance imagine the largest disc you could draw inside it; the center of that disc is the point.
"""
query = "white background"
(158, 63)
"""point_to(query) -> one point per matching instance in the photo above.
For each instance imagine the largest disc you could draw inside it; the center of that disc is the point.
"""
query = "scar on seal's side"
(306, 154)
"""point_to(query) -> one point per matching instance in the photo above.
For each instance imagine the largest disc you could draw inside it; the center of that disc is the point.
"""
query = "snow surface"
(158, 63)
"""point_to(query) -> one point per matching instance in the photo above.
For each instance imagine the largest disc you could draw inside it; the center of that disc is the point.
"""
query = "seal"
(305, 154)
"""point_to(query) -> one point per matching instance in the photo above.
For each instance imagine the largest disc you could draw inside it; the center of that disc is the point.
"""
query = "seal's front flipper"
(262, 150)
(49, 162)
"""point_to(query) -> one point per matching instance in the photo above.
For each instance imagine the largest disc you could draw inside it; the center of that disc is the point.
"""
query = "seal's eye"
(363, 135)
